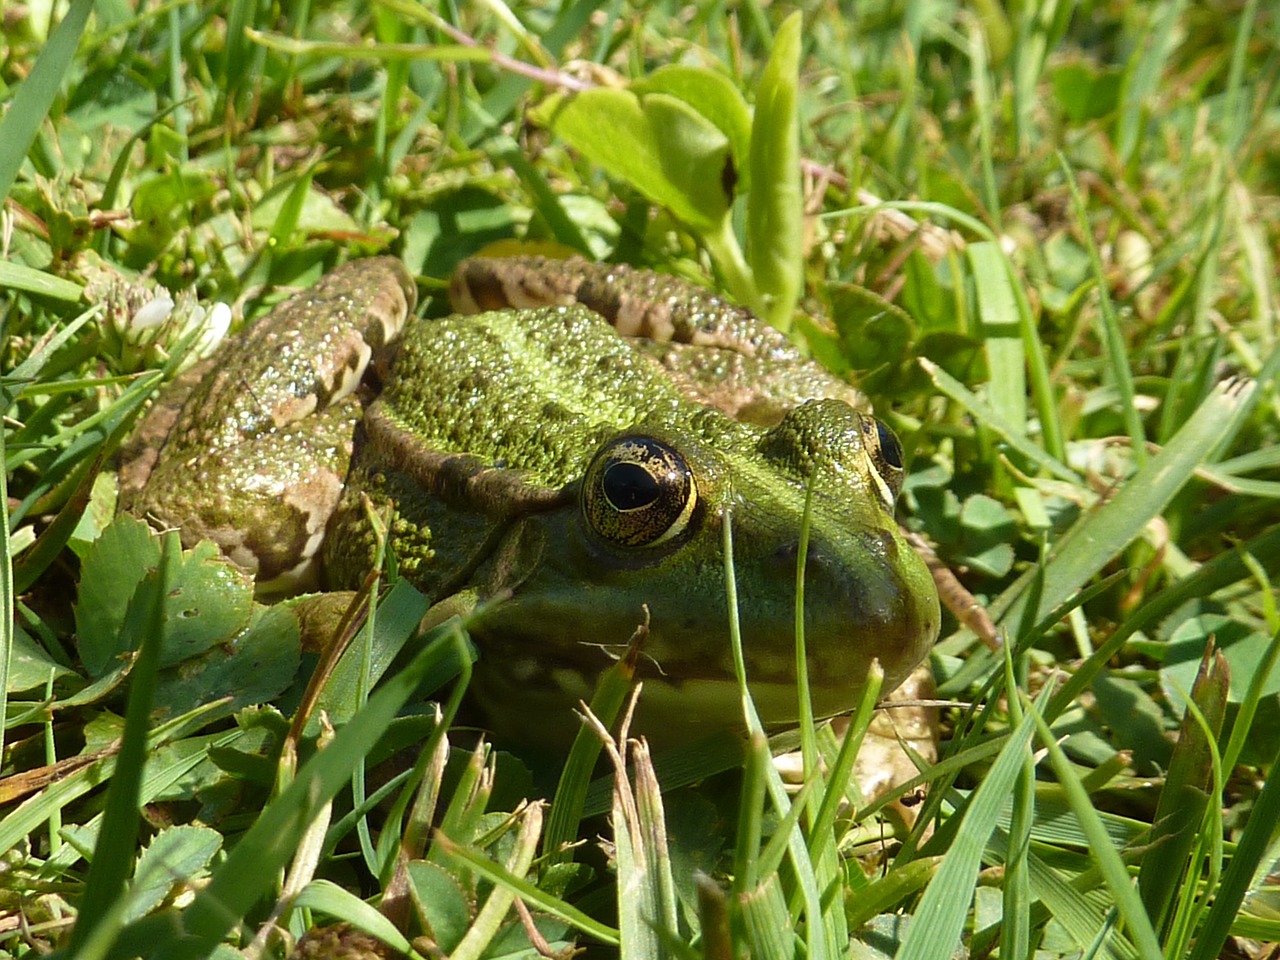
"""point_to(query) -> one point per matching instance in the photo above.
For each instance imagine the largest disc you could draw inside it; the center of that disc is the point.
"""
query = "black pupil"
(890, 449)
(629, 486)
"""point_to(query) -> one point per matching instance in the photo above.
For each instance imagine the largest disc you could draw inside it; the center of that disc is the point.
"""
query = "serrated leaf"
(252, 668)
(442, 904)
(209, 602)
(174, 856)
(112, 569)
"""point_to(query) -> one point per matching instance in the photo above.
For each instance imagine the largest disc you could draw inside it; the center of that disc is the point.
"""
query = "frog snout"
(858, 582)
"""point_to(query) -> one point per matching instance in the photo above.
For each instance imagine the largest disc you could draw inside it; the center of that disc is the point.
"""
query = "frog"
(558, 459)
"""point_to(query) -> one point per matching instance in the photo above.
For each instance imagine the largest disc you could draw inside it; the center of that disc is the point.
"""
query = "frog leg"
(256, 456)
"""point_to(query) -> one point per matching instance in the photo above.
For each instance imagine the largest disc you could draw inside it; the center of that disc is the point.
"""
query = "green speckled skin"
(479, 442)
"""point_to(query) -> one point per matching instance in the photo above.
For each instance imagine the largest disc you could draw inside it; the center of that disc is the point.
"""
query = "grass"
(1043, 239)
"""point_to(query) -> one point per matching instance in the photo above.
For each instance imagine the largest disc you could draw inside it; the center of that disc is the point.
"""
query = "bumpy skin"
(482, 437)
(251, 450)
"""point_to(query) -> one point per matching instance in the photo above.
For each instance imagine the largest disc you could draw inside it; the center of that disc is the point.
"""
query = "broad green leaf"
(713, 96)
(442, 902)
(29, 665)
(1245, 650)
(659, 144)
(251, 668)
(208, 603)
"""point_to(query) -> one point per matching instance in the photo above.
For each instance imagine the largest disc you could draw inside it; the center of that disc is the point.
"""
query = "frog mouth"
(545, 690)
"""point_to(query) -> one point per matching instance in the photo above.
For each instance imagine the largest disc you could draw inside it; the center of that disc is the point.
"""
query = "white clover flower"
(152, 314)
(213, 323)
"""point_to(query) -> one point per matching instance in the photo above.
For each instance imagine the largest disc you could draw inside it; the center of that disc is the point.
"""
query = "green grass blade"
(940, 918)
(1102, 534)
(1001, 333)
(1251, 846)
(535, 897)
(1186, 793)
(1116, 352)
(1143, 76)
(250, 869)
(1010, 432)
(17, 277)
(7, 634)
(114, 852)
(328, 898)
(34, 98)
(775, 206)
(1112, 867)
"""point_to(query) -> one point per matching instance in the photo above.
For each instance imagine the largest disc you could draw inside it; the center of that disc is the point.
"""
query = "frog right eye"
(884, 451)
(639, 492)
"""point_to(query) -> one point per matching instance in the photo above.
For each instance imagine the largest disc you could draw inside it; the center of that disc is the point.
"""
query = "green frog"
(572, 441)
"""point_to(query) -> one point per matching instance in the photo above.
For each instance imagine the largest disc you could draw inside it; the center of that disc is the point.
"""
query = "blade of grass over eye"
(804, 700)
(797, 848)
(1114, 872)
(1117, 354)
(939, 920)
(1101, 534)
(34, 98)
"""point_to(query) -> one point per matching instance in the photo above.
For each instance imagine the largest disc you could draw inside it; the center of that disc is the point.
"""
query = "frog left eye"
(638, 492)
(885, 452)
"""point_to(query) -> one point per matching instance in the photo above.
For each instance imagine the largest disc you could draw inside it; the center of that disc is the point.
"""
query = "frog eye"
(885, 453)
(638, 492)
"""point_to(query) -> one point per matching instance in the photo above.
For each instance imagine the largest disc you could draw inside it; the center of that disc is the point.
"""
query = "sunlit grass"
(1043, 242)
